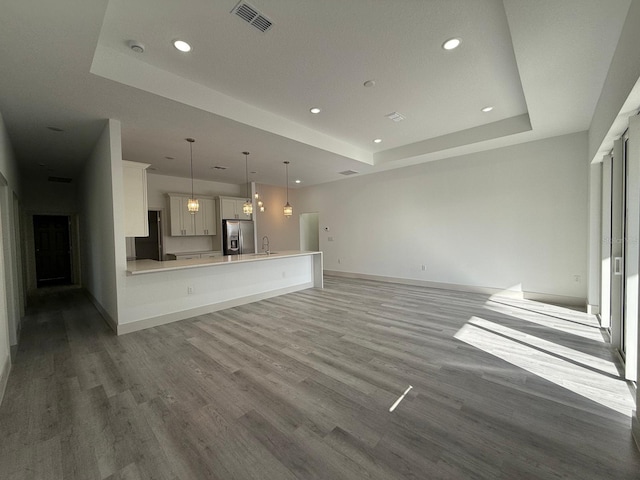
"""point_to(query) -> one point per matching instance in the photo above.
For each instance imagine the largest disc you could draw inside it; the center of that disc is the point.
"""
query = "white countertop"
(137, 267)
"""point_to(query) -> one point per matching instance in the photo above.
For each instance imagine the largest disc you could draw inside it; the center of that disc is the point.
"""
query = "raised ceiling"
(68, 64)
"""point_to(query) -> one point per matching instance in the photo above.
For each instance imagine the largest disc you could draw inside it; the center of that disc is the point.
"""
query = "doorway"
(53, 250)
(150, 247)
(309, 232)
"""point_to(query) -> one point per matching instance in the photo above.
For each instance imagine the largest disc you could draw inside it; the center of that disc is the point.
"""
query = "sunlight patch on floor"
(576, 327)
(591, 377)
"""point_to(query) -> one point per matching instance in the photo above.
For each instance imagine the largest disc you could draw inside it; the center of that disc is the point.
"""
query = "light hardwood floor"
(299, 387)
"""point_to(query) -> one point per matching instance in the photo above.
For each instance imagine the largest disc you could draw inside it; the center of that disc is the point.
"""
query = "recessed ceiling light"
(298, 181)
(370, 83)
(55, 129)
(315, 110)
(170, 158)
(451, 43)
(377, 140)
(182, 46)
(487, 109)
(136, 46)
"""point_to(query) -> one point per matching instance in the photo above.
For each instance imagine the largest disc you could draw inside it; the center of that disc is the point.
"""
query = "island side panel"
(167, 296)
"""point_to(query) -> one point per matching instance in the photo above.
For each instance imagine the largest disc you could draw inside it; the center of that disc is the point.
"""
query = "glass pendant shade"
(193, 205)
(288, 210)
(247, 208)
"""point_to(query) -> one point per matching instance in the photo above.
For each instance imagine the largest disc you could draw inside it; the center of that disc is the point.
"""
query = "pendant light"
(259, 202)
(247, 208)
(288, 209)
(192, 205)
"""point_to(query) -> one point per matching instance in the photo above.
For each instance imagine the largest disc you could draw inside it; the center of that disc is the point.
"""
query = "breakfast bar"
(167, 291)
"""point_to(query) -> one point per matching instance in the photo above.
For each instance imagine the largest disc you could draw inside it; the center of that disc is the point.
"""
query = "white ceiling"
(541, 64)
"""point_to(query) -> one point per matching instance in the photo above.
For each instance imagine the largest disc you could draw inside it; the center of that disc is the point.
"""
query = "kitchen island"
(163, 292)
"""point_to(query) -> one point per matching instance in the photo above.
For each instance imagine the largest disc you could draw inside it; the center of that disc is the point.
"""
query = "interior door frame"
(30, 247)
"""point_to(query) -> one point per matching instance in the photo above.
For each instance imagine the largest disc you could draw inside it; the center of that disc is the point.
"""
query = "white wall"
(623, 74)
(511, 218)
(283, 232)
(10, 286)
(157, 188)
(102, 222)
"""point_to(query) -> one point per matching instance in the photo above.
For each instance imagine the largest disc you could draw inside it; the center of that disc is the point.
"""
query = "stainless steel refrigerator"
(237, 237)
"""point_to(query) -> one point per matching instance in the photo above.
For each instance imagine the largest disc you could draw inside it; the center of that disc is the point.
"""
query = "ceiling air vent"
(348, 172)
(395, 116)
(60, 179)
(250, 15)
(220, 167)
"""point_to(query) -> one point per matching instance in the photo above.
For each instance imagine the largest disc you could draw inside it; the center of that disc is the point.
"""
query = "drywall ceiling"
(67, 64)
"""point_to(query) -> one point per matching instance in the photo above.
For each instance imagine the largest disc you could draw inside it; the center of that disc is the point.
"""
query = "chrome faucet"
(265, 240)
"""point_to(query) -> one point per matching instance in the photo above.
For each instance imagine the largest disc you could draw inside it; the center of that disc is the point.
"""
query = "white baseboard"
(125, 328)
(103, 313)
(535, 296)
(4, 376)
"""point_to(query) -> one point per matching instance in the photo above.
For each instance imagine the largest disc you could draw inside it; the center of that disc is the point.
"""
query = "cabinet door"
(136, 223)
(175, 212)
(182, 222)
(241, 214)
(206, 217)
(228, 208)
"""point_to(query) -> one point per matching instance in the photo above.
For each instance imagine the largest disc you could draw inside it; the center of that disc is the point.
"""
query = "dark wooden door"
(53, 250)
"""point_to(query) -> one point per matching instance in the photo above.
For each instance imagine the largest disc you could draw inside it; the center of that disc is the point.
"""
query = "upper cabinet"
(231, 208)
(184, 224)
(205, 219)
(136, 222)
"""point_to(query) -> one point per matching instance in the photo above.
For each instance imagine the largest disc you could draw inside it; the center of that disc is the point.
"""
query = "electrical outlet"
(424, 268)
(190, 290)
(339, 260)
(576, 278)
(330, 239)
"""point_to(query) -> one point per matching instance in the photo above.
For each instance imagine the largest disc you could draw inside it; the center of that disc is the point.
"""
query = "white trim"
(4, 377)
(214, 307)
(593, 309)
(535, 296)
(103, 313)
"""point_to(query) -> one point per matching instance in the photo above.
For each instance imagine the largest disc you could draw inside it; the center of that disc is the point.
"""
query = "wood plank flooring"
(299, 387)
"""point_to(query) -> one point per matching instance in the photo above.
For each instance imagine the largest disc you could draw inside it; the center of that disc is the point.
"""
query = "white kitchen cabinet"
(185, 224)
(205, 219)
(136, 221)
(231, 208)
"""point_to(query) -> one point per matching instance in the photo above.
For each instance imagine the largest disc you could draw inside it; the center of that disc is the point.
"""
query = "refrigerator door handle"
(240, 240)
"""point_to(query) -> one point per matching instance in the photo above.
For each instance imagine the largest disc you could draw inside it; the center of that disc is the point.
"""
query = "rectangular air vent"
(348, 172)
(220, 167)
(395, 116)
(60, 179)
(252, 16)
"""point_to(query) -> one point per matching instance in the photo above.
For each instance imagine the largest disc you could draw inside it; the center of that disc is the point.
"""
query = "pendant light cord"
(287, 165)
(246, 169)
(191, 154)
